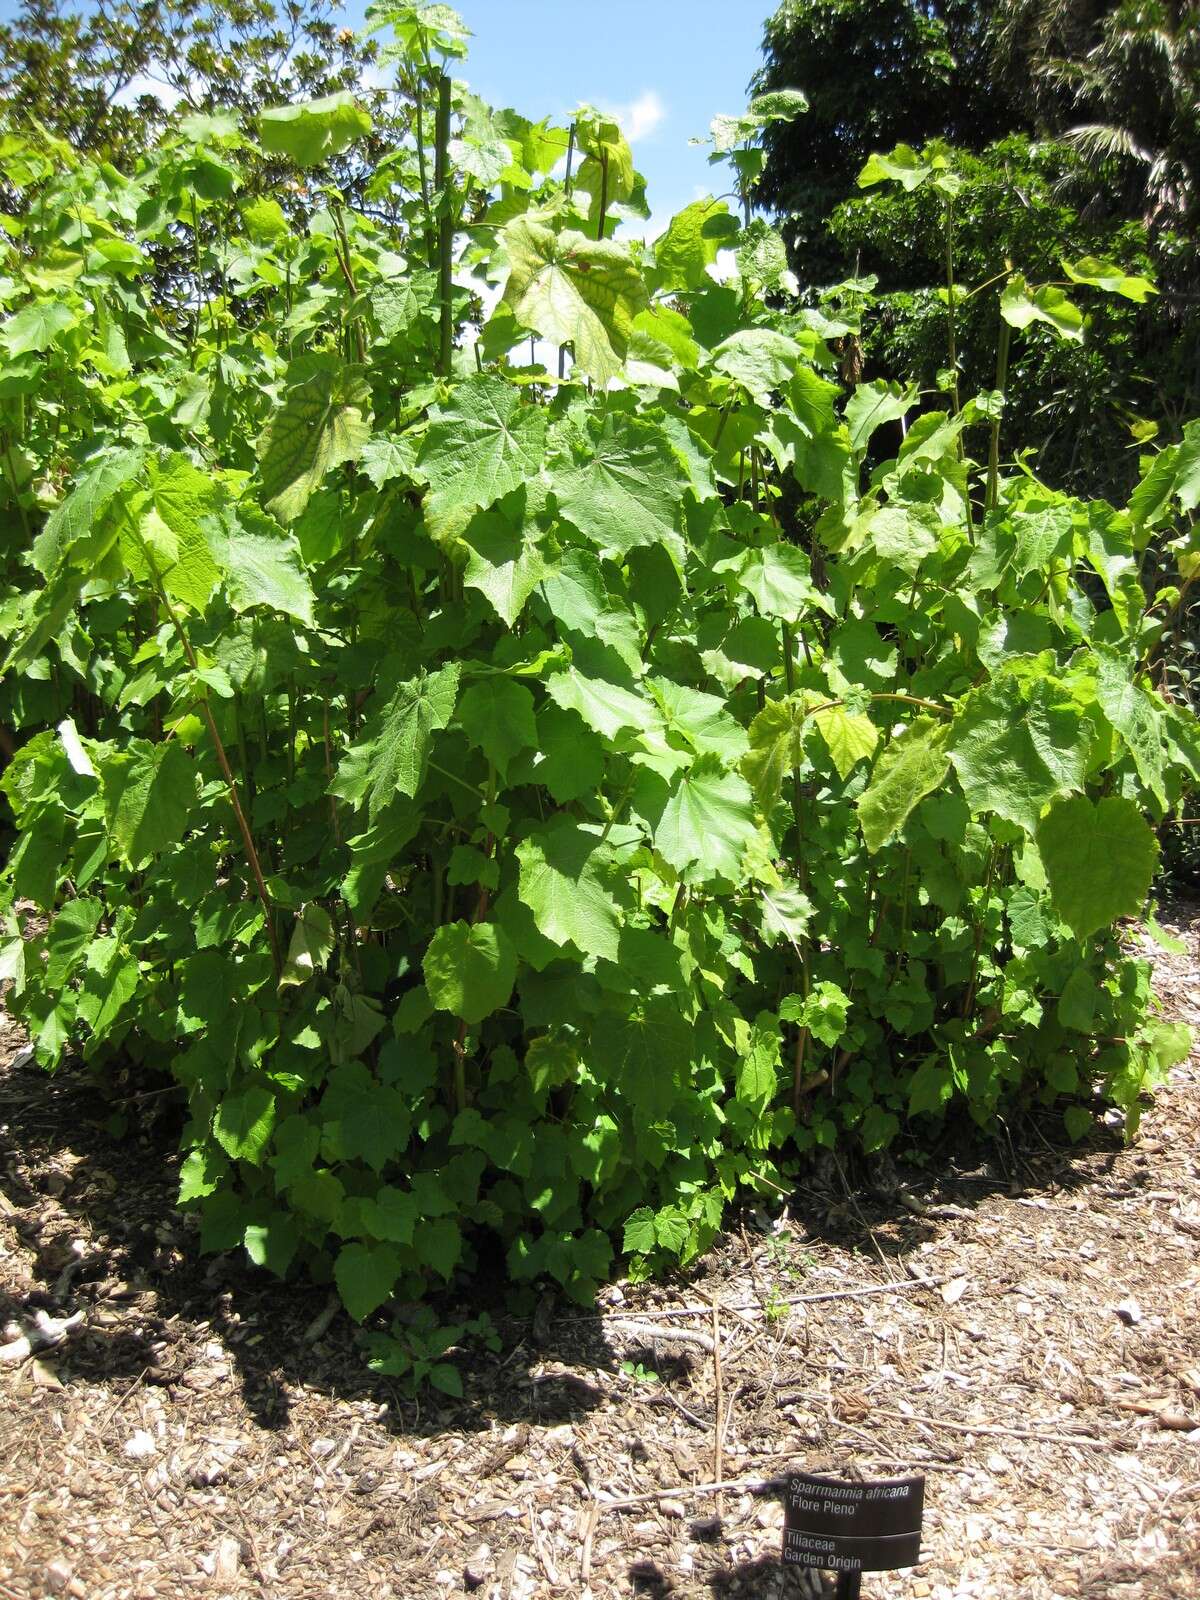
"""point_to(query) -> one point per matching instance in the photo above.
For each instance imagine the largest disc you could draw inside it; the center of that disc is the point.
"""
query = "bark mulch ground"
(1018, 1321)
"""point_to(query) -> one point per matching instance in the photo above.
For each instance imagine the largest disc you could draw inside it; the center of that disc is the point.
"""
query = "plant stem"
(603, 193)
(460, 1069)
(562, 349)
(226, 771)
(199, 295)
(570, 161)
(619, 807)
(422, 168)
(11, 468)
(951, 321)
(993, 478)
(789, 676)
(441, 178)
(342, 251)
(969, 997)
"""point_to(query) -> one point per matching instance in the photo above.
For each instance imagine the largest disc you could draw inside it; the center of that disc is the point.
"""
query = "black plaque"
(841, 1526)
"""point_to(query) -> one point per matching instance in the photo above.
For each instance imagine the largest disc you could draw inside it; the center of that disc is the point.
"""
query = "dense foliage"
(1072, 126)
(518, 744)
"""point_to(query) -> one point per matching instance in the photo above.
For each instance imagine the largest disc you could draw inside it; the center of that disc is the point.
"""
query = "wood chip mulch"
(1018, 1320)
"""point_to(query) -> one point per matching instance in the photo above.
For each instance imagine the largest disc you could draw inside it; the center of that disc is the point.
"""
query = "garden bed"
(1025, 1330)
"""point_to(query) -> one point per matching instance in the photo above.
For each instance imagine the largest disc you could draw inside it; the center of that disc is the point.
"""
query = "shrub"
(523, 810)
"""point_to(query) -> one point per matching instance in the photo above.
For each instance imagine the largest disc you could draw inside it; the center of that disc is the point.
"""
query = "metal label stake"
(850, 1527)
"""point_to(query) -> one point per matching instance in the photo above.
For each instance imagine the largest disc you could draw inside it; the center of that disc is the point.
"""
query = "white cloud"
(641, 117)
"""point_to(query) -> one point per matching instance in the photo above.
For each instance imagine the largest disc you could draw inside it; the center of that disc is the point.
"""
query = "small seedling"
(639, 1373)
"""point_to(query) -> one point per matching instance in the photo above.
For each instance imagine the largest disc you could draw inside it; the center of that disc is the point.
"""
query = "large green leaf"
(1099, 860)
(873, 404)
(607, 168)
(393, 754)
(149, 793)
(1020, 305)
(68, 938)
(322, 421)
(314, 130)
(110, 981)
(757, 1078)
(1107, 275)
(691, 242)
(263, 565)
(497, 715)
(776, 747)
(1137, 715)
(778, 578)
(702, 720)
(850, 737)
(82, 513)
(483, 444)
(182, 500)
(564, 882)
(273, 1244)
(470, 969)
(362, 1119)
(902, 165)
(36, 327)
(576, 592)
(1014, 752)
(707, 822)
(607, 708)
(1187, 467)
(646, 1054)
(903, 535)
(573, 290)
(910, 767)
(242, 1123)
(760, 359)
(504, 562)
(400, 302)
(311, 946)
(1042, 538)
(628, 493)
(365, 1275)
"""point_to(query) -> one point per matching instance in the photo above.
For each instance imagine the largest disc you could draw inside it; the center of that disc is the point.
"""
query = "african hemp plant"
(506, 733)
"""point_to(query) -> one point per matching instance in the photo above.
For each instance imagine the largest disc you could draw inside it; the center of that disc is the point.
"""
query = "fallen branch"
(754, 1485)
(750, 1485)
(900, 1287)
(656, 1335)
(38, 1332)
(997, 1428)
(589, 1533)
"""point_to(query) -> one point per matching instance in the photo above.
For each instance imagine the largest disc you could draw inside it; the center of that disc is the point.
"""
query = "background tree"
(1074, 125)
(874, 74)
(1125, 90)
(105, 77)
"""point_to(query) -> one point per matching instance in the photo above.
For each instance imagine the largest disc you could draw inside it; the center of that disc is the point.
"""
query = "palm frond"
(1102, 141)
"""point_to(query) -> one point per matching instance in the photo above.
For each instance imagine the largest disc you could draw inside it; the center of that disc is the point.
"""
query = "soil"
(1017, 1320)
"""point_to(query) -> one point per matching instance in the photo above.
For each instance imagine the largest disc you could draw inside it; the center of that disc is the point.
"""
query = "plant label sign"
(840, 1526)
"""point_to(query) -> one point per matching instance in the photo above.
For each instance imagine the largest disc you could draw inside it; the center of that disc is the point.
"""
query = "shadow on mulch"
(66, 1174)
(747, 1580)
(122, 1188)
(750, 1579)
